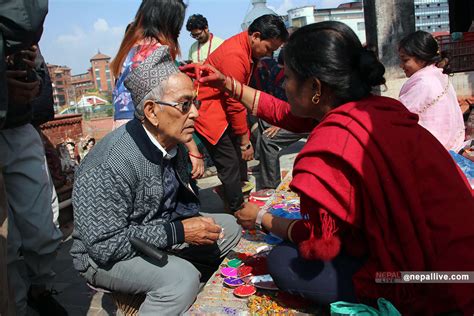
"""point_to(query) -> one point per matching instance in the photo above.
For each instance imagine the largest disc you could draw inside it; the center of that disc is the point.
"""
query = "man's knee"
(232, 230)
(182, 292)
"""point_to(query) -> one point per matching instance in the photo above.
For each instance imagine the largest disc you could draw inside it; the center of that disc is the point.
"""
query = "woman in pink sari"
(428, 91)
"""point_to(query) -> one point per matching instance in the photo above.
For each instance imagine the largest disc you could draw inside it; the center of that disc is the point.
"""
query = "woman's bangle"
(290, 228)
(234, 88)
(246, 147)
(253, 103)
(241, 91)
(196, 156)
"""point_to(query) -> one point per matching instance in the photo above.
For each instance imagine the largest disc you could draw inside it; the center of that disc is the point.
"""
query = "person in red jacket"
(379, 193)
(222, 123)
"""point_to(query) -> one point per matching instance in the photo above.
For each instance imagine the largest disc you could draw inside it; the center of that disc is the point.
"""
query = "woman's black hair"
(332, 53)
(269, 26)
(196, 21)
(161, 17)
(422, 45)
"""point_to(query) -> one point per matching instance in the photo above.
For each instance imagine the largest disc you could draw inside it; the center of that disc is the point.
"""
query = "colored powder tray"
(234, 263)
(264, 282)
(244, 271)
(245, 291)
(229, 272)
(233, 282)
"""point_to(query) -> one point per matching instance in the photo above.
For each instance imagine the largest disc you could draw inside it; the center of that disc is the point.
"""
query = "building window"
(417, 6)
(59, 83)
(427, 16)
(299, 22)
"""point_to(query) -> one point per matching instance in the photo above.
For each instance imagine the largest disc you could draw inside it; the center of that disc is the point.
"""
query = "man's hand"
(20, 92)
(198, 167)
(246, 147)
(29, 56)
(271, 131)
(247, 215)
(247, 154)
(201, 231)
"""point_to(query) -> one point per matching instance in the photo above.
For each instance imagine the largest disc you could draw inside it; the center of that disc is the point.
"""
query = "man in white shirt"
(205, 43)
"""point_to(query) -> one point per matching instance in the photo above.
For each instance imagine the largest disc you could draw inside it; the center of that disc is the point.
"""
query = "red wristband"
(195, 156)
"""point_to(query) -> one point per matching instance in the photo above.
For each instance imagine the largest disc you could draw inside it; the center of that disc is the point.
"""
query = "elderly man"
(134, 185)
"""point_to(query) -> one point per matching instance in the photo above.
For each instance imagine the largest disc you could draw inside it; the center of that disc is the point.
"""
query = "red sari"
(373, 181)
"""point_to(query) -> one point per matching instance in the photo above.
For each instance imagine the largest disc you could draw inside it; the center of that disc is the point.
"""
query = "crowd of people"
(378, 187)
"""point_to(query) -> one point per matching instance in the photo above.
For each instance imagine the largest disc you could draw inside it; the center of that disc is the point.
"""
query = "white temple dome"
(259, 8)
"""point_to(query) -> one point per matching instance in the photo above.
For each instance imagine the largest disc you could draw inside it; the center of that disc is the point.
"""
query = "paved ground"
(79, 299)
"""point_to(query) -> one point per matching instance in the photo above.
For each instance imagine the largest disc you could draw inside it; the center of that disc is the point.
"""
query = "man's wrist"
(246, 147)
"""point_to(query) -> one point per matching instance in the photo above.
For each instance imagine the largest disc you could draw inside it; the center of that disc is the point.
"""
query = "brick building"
(69, 89)
(61, 82)
(82, 83)
(101, 73)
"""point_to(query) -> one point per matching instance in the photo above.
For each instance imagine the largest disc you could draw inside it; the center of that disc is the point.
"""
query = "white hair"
(155, 94)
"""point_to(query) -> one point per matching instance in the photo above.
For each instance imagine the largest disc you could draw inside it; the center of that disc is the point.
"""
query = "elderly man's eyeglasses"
(196, 35)
(184, 106)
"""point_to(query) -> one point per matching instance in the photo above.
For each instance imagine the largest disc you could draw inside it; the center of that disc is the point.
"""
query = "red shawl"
(372, 167)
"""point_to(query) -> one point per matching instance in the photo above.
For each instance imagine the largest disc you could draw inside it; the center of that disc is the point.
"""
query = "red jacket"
(391, 190)
(233, 58)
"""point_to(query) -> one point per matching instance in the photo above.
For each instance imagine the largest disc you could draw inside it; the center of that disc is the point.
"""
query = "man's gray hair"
(155, 94)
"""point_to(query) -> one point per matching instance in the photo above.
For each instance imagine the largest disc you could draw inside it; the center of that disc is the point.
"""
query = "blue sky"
(75, 30)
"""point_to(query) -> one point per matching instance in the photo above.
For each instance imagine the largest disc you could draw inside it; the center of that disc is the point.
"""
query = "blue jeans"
(319, 281)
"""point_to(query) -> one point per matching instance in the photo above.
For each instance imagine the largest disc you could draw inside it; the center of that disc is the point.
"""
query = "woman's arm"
(282, 227)
(261, 104)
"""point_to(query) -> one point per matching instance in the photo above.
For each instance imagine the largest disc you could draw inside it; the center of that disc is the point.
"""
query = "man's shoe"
(45, 304)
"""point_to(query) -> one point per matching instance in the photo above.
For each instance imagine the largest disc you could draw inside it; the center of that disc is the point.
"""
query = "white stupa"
(259, 8)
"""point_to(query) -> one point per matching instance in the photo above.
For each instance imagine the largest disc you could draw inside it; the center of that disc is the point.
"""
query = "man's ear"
(149, 112)
(255, 36)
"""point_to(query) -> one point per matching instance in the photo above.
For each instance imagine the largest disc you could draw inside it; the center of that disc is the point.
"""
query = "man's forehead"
(179, 86)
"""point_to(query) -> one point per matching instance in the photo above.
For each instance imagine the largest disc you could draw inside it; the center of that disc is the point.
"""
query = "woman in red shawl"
(378, 192)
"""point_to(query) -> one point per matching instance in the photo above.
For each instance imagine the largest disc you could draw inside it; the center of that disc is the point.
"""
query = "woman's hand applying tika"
(205, 74)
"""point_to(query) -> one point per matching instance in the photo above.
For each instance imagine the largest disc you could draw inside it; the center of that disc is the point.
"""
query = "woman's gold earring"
(315, 98)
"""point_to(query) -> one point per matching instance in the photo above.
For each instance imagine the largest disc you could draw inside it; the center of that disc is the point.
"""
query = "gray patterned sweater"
(119, 193)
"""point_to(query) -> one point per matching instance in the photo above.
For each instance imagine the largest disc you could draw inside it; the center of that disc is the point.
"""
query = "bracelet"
(234, 88)
(290, 228)
(241, 91)
(253, 103)
(196, 156)
(246, 147)
(231, 86)
(258, 220)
